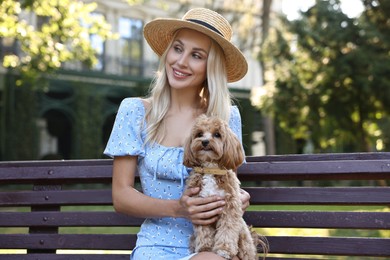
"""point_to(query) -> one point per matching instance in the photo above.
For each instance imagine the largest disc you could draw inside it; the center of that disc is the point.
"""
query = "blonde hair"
(215, 93)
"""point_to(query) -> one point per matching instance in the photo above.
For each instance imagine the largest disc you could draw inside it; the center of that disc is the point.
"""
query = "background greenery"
(327, 78)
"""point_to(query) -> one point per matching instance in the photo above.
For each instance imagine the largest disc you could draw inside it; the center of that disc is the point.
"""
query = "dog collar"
(214, 171)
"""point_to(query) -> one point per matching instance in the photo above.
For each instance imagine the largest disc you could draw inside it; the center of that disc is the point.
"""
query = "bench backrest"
(43, 203)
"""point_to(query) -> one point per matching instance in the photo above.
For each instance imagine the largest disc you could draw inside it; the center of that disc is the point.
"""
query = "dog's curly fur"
(213, 145)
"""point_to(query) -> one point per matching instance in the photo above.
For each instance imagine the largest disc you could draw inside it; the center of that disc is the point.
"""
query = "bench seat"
(50, 207)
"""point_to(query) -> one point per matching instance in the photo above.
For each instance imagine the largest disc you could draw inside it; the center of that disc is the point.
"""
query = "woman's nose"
(183, 60)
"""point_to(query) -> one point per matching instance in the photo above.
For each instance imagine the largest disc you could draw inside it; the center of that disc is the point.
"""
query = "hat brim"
(159, 33)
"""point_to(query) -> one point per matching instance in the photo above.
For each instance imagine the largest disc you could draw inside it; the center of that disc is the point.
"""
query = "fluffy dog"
(214, 152)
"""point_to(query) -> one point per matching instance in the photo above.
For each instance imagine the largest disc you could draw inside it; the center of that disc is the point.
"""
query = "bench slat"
(316, 170)
(320, 157)
(60, 197)
(83, 256)
(291, 245)
(319, 219)
(100, 171)
(330, 246)
(259, 196)
(288, 219)
(57, 174)
(67, 219)
(320, 195)
(95, 256)
(55, 163)
(68, 241)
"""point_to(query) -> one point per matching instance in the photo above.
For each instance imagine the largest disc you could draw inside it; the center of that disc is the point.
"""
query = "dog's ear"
(189, 159)
(233, 154)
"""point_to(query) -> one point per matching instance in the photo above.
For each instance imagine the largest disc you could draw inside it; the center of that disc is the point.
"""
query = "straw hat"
(159, 33)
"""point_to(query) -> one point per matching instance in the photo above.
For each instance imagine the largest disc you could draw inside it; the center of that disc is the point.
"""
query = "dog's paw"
(223, 253)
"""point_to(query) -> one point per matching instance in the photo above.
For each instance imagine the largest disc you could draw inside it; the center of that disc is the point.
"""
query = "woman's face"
(186, 60)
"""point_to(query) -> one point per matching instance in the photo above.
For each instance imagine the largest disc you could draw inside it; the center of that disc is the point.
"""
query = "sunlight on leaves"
(62, 34)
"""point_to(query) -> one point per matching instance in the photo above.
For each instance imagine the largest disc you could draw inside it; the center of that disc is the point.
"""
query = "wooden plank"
(316, 170)
(82, 256)
(51, 163)
(320, 157)
(318, 219)
(95, 256)
(67, 219)
(288, 219)
(61, 197)
(330, 246)
(56, 174)
(259, 196)
(284, 245)
(101, 170)
(68, 241)
(320, 195)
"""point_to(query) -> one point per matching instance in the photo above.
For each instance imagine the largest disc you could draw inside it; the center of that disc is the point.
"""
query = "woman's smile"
(180, 74)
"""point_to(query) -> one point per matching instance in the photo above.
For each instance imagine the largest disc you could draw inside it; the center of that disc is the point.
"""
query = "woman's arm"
(128, 200)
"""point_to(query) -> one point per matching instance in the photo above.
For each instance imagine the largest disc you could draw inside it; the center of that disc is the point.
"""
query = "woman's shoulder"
(235, 117)
(234, 112)
(132, 101)
(135, 104)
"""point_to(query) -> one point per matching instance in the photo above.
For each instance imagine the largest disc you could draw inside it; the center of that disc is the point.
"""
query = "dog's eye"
(217, 135)
(200, 134)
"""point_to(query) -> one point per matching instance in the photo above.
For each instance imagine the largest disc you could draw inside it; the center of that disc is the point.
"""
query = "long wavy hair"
(214, 94)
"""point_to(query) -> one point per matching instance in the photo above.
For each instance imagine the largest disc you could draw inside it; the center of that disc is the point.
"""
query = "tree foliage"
(62, 33)
(87, 133)
(327, 76)
(46, 34)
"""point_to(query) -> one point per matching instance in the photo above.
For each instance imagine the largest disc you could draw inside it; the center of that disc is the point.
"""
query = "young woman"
(197, 62)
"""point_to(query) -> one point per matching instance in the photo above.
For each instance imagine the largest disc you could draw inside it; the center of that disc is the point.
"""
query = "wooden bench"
(43, 203)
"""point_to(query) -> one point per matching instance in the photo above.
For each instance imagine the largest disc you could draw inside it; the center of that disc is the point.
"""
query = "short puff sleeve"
(126, 136)
(235, 122)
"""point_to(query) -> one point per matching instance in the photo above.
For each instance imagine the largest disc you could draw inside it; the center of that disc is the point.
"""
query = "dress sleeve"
(126, 136)
(235, 124)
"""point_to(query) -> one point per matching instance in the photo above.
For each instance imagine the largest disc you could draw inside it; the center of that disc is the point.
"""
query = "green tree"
(62, 34)
(328, 76)
(88, 122)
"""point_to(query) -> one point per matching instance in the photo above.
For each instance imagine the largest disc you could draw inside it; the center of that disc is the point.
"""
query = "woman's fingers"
(205, 222)
(201, 211)
(207, 211)
(191, 191)
(204, 211)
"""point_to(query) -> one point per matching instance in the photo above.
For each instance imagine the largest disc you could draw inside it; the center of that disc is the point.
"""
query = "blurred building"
(125, 68)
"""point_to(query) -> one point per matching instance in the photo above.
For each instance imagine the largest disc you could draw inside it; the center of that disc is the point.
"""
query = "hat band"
(206, 25)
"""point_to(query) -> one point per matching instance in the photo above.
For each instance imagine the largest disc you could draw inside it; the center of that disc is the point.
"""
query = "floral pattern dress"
(162, 175)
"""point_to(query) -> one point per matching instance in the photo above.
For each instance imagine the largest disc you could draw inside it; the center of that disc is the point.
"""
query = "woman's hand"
(245, 198)
(201, 211)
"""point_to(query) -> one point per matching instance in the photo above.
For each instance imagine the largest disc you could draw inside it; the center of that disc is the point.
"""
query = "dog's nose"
(205, 143)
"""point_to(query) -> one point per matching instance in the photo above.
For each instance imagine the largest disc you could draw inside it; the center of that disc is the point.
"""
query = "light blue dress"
(162, 176)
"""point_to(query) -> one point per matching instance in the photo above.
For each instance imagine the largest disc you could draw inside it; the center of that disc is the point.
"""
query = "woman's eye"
(196, 56)
(177, 49)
